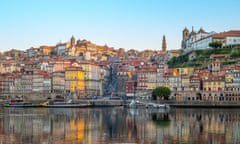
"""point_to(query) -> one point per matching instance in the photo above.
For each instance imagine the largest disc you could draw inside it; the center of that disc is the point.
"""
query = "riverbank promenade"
(144, 103)
(202, 104)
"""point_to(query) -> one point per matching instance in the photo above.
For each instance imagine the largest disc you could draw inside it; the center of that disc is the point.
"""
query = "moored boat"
(137, 104)
(154, 105)
(19, 103)
(64, 104)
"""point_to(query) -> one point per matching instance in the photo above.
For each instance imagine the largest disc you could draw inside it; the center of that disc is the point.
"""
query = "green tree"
(235, 53)
(177, 61)
(216, 44)
(162, 92)
(173, 60)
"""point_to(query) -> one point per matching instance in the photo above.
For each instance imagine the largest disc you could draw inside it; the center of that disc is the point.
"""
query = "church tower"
(185, 34)
(72, 41)
(164, 45)
(185, 37)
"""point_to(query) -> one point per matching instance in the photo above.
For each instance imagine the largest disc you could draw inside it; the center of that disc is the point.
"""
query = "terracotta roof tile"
(228, 33)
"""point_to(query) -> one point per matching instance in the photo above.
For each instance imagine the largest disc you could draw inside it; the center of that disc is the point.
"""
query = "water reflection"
(109, 125)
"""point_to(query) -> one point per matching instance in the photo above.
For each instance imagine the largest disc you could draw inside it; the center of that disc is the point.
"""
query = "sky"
(129, 24)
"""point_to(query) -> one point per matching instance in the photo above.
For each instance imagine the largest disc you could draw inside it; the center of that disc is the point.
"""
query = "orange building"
(46, 50)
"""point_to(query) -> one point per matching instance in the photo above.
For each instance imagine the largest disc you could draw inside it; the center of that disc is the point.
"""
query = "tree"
(162, 92)
(235, 53)
(177, 61)
(215, 44)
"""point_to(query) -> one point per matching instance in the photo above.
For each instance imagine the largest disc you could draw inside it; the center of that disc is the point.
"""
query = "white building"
(201, 39)
(41, 82)
(61, 49)
(202, 43)
(229, 38)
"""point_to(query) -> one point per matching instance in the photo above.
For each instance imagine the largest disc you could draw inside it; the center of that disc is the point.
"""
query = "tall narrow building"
(164, 45)
(185, 37)
(72, 41)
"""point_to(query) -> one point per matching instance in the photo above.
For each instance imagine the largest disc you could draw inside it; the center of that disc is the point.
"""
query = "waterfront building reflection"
(121, 125)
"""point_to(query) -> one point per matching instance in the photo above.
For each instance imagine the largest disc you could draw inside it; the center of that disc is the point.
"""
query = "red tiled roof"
(217, 61)
(228, 33)
(218, 55)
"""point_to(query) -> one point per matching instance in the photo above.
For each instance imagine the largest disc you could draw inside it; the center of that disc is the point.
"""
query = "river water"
(118, 125)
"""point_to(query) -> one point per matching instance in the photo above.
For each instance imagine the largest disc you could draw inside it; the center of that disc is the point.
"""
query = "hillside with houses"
(82, 69)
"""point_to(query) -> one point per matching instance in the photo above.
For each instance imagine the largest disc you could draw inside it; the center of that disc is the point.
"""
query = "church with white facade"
(200, 40)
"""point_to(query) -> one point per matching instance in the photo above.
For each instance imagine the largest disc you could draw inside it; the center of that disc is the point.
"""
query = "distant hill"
(201, 58)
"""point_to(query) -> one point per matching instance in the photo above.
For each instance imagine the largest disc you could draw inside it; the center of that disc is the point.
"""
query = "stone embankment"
(36, 98)
(203, 104)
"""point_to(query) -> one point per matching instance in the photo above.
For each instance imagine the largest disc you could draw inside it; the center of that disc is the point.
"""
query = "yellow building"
(186, 71)
(185, 82)
(182, 71)
(111, 51)
(229, 79)
(213, 88)
(214, 83)
(75, 81)
(46, 50)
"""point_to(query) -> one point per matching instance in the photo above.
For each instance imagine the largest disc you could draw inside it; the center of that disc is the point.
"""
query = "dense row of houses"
(86, 69)
(52, 76)
(133, 78)
(213, 84)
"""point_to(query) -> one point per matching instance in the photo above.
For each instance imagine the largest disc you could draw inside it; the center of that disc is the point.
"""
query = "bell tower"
(185, 37)
(185, 34)
(164, 45)
(72, 41)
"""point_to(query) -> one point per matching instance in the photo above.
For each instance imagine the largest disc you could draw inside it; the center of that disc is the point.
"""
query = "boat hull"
(66, 106)
(21, 105)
